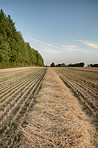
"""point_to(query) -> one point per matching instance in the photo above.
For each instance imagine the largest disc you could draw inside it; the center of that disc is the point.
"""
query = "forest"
(14, 51)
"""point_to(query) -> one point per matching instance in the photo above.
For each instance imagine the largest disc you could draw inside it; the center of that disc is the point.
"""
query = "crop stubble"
(84, 83)
(57, 119)
(18, 88)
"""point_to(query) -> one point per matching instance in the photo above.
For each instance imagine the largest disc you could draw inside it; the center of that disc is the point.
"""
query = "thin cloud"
(74, 48)
(52, 51)
(63, 47)
(45, 43)
(69, 46)
(77, 49)
(89, 43)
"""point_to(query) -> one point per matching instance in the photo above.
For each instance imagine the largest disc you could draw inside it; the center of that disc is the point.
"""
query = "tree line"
(93, 65)
(14, 51)
(70, 65)
(81, 64)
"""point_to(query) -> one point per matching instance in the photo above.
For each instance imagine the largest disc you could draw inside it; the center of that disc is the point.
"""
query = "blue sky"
(61, 30)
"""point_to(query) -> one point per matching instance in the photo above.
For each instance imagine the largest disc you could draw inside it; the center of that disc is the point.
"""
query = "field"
(18, 88)
(54, 117)
(84, 83)
(58, 120)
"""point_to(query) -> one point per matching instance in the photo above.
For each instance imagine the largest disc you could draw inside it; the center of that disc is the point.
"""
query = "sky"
(63, 31)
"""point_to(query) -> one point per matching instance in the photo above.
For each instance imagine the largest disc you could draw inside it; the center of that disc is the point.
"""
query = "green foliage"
(52, 65)
(61, 65)
(13, 50)
(76, 65)
(70, 65)
(93, 65)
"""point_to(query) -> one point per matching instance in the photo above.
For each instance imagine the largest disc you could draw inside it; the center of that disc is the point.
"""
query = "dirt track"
(57, 119)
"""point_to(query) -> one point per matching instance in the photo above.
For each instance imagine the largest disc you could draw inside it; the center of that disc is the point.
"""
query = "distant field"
(95, 69)
(18, 87)
(84, 82)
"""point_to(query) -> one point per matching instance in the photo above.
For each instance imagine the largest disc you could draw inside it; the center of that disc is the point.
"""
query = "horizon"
(62, 31)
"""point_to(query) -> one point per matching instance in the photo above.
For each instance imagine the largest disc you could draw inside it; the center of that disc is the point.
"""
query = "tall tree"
(13, 50)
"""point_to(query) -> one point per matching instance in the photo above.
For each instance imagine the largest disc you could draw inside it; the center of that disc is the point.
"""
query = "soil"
(57, 119)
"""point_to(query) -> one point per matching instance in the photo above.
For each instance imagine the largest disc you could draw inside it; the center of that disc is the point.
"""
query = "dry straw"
(57, 119)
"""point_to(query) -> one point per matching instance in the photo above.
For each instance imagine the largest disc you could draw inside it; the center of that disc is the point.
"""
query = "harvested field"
(57, 119)
(18, 88)
(90, 69)
(84, 83)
